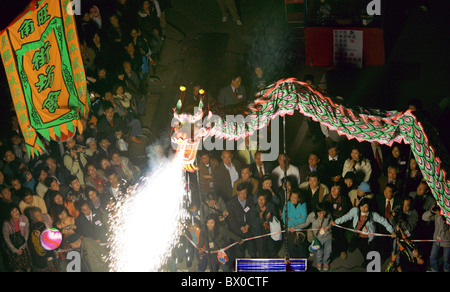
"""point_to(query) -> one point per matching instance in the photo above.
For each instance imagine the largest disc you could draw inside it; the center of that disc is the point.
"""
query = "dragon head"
(189, 129)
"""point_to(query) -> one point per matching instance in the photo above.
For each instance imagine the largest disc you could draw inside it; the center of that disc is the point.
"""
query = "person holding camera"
(405, 217)
(441, 236)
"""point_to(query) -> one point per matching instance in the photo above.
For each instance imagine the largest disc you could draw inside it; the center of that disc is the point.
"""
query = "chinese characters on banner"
(45, 73)
(348, 47)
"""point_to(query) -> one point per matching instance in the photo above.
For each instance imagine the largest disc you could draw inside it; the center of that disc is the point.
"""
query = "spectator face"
(58, 199)
(105, 143)
(102, 73)
(355, 155)
(9, 156)
(348, 182)
(119, 90)
(421, 189)
(246, 174)
(127, 65)
(332, 152)
(261, 201)
(109, 113)
(6, 194)
(16, 140)
(392, 174)
(96, 39)
(113, 179)
(93, 146)
(70, 143)
(236, 83)
(313, 160)
(211, 223)
(396, 152)
(62, 216)
(227, 157)
(146, 5)
(360, 193)
(16, 184)
(242, 194)
(267, 184)
(335, 191)
(289, 186)
(105, 164)
(413, 164)
(86, 210)
(258, 160)
(406, 206)
(281, 160)
(364, 208)
(109, 96)
(134, 33)
(321, 214)
(15, 214)
(93, 195)
(294, 198)
(258, 72)
(28, 199)
(92, 171)
(313, 182)
(388, 193)
(205, 159)
(2, 178)
(38, 216)
(115, 158)
(42, 176)
(54, 186)
(114, 21)
(51, 163)
(75, 184)
(211, 202)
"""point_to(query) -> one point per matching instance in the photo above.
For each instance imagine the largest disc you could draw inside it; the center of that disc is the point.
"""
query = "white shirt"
(234, 175)
(278, 174)
(89, 217)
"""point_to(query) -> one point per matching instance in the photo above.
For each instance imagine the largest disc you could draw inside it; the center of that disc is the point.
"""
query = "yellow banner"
(45, 72)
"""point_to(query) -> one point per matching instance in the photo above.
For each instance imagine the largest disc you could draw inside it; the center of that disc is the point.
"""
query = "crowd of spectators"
(344, 185)
(72, 185)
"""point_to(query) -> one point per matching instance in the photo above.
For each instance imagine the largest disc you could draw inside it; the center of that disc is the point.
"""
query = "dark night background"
(417, 65)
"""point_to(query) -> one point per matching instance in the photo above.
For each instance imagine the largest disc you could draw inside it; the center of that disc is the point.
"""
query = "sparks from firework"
(147, 223)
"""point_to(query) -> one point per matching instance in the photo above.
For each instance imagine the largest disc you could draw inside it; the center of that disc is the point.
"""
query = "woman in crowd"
(358, 164)
(363, 220)
(297, 214)
(16, 232)
(320, 220)
(212, 239)
(260, 217)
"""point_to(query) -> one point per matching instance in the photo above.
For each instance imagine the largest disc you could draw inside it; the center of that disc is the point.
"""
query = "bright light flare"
(147, 223)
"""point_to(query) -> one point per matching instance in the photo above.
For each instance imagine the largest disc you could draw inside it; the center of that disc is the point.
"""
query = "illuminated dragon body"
(289, 95)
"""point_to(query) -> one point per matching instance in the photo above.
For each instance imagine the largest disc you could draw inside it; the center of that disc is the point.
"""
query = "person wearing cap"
(363, 191)
(92, 253)
(91, 143)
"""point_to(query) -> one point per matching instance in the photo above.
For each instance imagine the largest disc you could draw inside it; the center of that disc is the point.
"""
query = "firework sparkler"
(147, 222)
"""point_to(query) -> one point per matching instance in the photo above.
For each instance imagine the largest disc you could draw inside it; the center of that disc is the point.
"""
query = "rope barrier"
(245, 239)
(278, 232)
